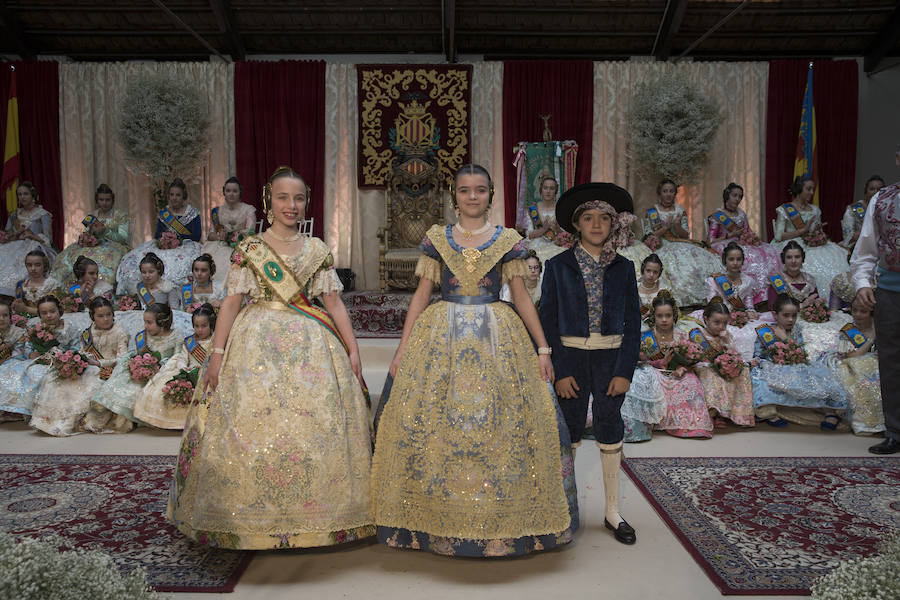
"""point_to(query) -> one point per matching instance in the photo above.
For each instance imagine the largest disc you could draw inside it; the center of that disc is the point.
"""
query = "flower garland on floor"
(37, 569)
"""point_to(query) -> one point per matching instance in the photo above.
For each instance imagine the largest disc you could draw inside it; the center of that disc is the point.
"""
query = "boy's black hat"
(572, 198)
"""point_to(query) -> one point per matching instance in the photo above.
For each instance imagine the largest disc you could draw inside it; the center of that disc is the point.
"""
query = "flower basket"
(144, 366)
(126, 303)
(88, 240)
(815, 237)
(685, 354)
(179, 390)
(748, 238)
(816, 311)
(168, 241)
(652, 242)
(788, 353)
(69, 365)
(738, 318)
(564, 239)
(728, 364)
(42, 338)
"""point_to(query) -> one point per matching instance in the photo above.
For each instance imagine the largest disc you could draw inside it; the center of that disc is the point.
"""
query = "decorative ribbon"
(726, 221)
(728, 292)
(766, 335)
(196, 350)
(20, 289)
(140, 341)
(187, 294)
(170, 220)
(780, 285)
(853, 333)
(698, 338)
(145, 295)
(793, 215)
(88, 221)
(87, 341)
(648, 342)
(859, 210)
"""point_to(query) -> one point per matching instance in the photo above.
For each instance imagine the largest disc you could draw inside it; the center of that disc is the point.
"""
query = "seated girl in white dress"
(152, 406)
(62, 403)
(87, 283)
(542, 228)
(152, 288)
(233, 217)
(202, 287)
(651, 282)
(37, 285)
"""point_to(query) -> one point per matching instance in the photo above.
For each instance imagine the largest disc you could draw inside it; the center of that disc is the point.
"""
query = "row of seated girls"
(833, 383)
(106, 239)
(64, 379)
(665, 230)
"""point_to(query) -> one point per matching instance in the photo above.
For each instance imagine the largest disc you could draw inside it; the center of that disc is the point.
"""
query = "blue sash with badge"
(649, 345)
(859, 210)
(214, 217)
(195, 349)
(766, 335)
(88, 221)
(20, 289)
(722, 219)
(87, 341)
(698, 338)
(653, 215)
(853, 333)
(727, 291)
(172, 222)
(780, 285)
(75, 290)
(146, 297)
(187, 294)
(140, 341)
(536, 221)
(794, 215)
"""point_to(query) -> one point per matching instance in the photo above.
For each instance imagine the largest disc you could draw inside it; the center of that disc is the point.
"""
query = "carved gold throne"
(414, 203)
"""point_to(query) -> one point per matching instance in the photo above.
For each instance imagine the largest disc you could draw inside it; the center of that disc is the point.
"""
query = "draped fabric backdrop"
(279, 119)
(836, 101)
(90, 97)
(738, 153)
(36, 85)
(563, 89)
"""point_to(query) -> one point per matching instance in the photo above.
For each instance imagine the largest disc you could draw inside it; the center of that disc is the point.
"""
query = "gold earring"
(270, 216)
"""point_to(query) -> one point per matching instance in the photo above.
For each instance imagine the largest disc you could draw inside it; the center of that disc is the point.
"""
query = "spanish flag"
(12, 167)
(806, 160)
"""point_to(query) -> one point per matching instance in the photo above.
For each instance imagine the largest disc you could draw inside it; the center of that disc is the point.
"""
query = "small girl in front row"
(202, 288)
(671, 400)
(152, 407)
(22, 378)
(650, 283)
(804, 392)
(152, 288)
(730, 399)
(61, 404)
(112, 409)
(857, 367)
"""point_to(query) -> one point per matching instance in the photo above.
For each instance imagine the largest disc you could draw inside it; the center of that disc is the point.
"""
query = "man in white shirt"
(878, 251)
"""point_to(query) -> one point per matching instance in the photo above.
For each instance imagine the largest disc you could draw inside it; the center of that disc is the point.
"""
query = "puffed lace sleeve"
(513, 262)
(781, 222)
(429, 264)
(240, 280)
(325, 280)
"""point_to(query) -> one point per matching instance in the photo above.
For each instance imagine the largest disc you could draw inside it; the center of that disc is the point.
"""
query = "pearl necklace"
(470, 234)
(293, 238)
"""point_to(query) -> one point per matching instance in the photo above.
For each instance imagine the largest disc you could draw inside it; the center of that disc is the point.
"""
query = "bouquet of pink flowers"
(788, 353)
(815, 311)
(88, 240)
(190, 308)
(179, 390)
(69, 364)
(564, 239)
(728, 364)
(144, 366)
(685, 354)
(738, 318)
(42, 338)
(18, 320)
(71, 303)
(652, 242)
(815, 237)
(748, 238)
(126, 303)
(167, 241)
(237, 258)
(236, 237)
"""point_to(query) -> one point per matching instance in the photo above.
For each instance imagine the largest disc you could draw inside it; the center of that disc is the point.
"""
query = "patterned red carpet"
(116, 504)
(771, 526)
(376, 314)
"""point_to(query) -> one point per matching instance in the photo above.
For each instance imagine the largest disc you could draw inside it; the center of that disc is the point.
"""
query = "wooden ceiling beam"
(668, 28)
(178, 21)
(448, 33)
(12, 30)
(225, 19)
(885, 41)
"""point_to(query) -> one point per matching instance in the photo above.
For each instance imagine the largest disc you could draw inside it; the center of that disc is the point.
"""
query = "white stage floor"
(594, 566)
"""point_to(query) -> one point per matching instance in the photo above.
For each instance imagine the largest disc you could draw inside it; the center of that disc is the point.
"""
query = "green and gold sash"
(87, 341)
(172, 222)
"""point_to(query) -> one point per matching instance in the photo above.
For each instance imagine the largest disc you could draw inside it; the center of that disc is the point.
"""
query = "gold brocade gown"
(279, 455)
(472, 456)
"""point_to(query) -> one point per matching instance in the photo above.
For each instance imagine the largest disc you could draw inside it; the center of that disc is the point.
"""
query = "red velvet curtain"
(836, 100)
(37, 90)
(564, 89)
(279, 119)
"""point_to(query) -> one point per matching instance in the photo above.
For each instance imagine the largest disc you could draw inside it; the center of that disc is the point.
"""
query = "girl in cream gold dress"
(276, 453)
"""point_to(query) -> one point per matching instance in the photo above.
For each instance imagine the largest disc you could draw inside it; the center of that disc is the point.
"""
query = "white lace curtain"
(90, 96)
(740, 88)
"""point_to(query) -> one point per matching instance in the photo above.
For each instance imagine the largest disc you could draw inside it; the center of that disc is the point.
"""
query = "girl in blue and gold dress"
(472, 455)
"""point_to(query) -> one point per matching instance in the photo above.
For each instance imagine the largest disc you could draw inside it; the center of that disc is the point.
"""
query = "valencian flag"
(12, 170)
(806, 160)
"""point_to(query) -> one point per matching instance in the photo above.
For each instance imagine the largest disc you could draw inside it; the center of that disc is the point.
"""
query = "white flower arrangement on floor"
(37, 570)
(872, 578)
(673, 128)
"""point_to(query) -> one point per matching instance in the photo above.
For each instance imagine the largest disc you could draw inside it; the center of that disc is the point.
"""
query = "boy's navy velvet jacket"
(564, 310)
